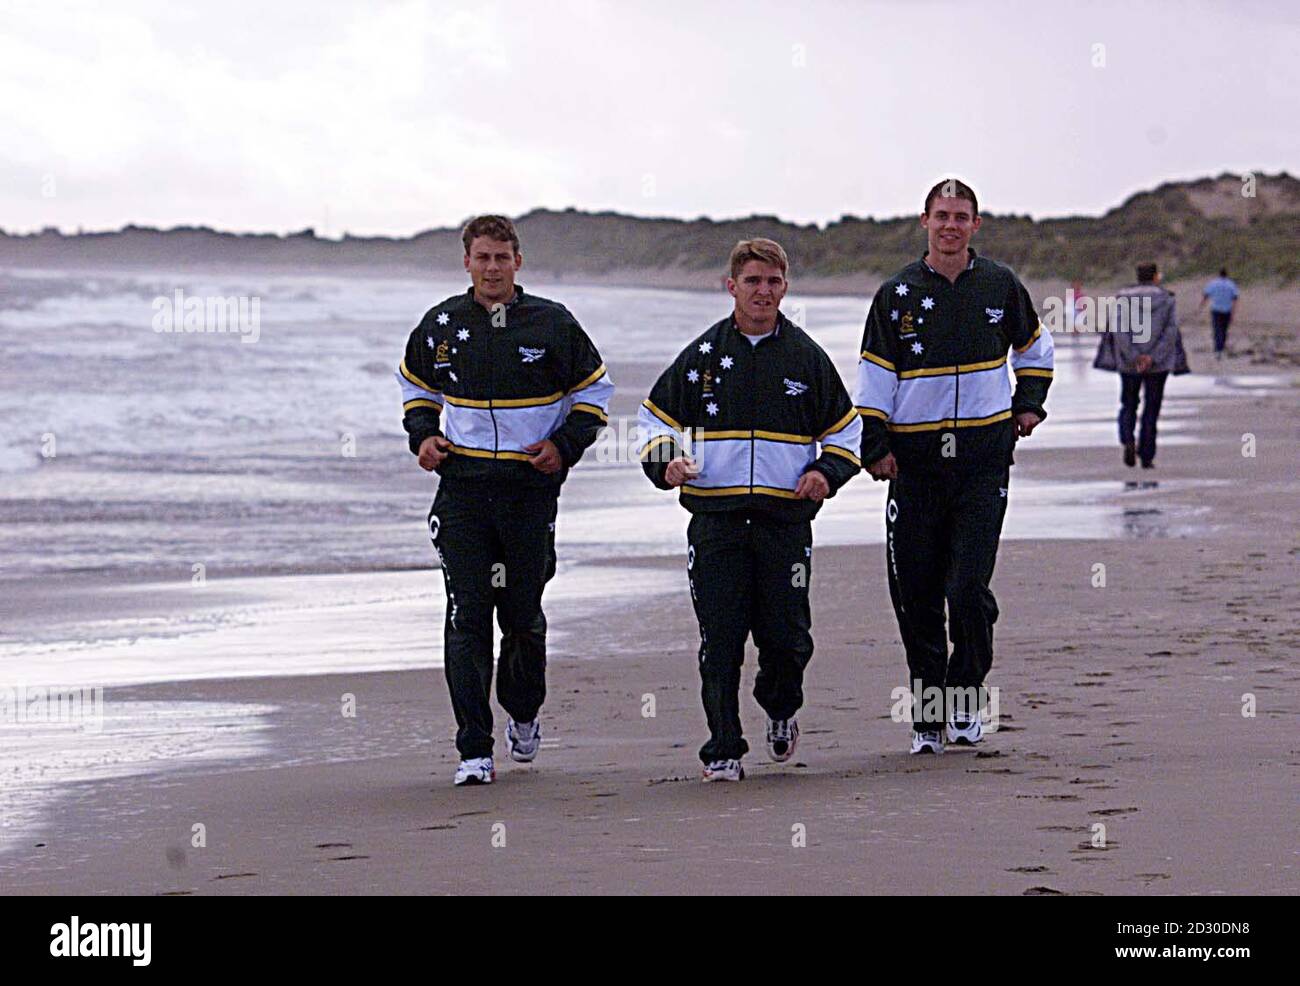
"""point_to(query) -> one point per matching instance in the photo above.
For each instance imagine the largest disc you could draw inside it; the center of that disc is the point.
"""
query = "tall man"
(940, 422)
(502, 392)
(734, 423)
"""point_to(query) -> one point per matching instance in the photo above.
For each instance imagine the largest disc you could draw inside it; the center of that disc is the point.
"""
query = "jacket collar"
(970, 251)
(781, 322)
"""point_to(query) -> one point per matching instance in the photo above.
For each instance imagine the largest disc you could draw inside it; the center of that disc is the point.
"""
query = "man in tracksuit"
(940, 422)
(735, 423)
(502, 392)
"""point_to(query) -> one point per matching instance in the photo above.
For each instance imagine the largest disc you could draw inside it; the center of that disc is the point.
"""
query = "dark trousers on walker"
(1152, 388)
(498, 553)
(749, 573)
(942, 533)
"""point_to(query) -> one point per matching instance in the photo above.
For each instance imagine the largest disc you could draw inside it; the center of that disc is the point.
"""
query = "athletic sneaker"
(782, 738)
(476, 770)
(724, 770)
(930, 741)
(523, 739)
(965, 729)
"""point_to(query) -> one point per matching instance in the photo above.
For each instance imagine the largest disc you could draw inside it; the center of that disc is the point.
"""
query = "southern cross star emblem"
(726, 362)
(706, 347)
(901, 290)
(463, 335)
(693, 376)
(711, 407)
(429, 340)
(443, 318)
(927, 303)
(893, 315)
(918, 348)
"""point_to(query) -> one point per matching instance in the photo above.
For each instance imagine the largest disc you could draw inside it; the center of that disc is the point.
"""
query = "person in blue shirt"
(1222, 295)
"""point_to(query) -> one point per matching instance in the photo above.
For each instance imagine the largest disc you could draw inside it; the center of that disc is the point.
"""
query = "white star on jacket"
(429, 340)
(706, 347)
(693, 376)
(711, 407)
(927, 303)
(917, 348)
(893, 315)
(443, 318)
(901, 290)
(463, 335)
(726, 362)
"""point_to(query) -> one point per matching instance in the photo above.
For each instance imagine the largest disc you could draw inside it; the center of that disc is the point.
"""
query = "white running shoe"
(476, 770)
(965, 729)
(724, 770)
(782, 738)
(927, 742)
(523, 740)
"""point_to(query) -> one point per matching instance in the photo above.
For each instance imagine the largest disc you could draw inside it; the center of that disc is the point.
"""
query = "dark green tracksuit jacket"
(933, 388)
(492, 383)
(752, 416)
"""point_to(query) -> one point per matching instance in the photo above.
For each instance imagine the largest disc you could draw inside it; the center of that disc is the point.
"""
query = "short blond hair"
(764, 251)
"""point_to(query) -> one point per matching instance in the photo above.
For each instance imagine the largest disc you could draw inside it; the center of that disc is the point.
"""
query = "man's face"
(492, 265)
(758, 291)
(950, 224)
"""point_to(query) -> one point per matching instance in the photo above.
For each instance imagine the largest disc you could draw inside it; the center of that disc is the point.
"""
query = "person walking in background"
(1222, 294)
(1144, 347)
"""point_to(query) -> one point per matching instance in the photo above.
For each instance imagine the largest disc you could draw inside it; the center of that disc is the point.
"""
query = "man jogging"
(1143, 359)
(939, 423)
(502, 392)
(734, 423)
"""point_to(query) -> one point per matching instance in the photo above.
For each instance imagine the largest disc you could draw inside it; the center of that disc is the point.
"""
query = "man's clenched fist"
(680, 470)
(433, 450)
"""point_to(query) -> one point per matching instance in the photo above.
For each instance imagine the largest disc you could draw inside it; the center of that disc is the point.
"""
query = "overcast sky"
(394, 117)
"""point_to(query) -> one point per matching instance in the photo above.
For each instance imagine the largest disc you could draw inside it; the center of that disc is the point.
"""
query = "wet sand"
(1120, 706)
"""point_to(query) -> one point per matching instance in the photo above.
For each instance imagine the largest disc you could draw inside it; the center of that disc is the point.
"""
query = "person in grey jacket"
(1143, 345)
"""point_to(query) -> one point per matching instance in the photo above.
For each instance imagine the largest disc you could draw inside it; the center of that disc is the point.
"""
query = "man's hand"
(1143, 363)
(545, 457)
(813, 486)
(885, 468)
(680, 470)
(433, 451)
(1026, 422)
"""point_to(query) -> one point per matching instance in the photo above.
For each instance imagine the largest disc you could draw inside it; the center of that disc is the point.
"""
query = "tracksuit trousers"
(749, 573)
(942, 532)
(498, 552)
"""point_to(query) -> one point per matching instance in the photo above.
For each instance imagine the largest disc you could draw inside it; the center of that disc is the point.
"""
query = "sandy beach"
(1120, 705)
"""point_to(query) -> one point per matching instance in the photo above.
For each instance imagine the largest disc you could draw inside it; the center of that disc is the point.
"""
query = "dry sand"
(1120, 706)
